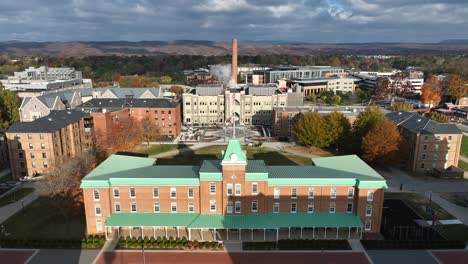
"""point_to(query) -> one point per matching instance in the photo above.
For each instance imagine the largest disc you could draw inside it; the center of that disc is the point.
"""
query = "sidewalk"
(8, 210)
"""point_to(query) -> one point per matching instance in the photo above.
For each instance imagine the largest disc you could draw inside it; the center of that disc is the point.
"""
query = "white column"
(277, 234)
(227, 234)
(240, 230)
(361, 232)
(301, 232)
(349, 232)
(337, 231)
(165, 231)
(251, 234)
(313, 232)
(141, 229)
(214, 234)
(177, 231)
(325, 233)
(201, 232)
(105, 229)
(289, 232)
(130, 231)
(264, 234)
(154, 232)
(189, 234)
(118, 231)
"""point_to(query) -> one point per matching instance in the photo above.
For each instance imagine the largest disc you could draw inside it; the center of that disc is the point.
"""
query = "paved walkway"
(8, 210)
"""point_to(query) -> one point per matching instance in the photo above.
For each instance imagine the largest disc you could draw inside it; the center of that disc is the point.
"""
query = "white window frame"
(368, 224)
(238, 189)
(115, 207)
(191, 191)
(311, 191)
(276, 205)
(254, 210)
(370, 196)
(131, 207)
(96, 195)
(276, 193)
(240, 207)
(254, 188)
(347, 207)
(212, 205)
(99, 225)
(294, 206)
(156, 205)
(97, 208)
(155, 191)
(350, 193)
(230, 189)
(293, 193)
(229, 207)
(310, 206)
(134, 192)
(173, 205)
(191, 207)
(333, 193)
(173, 190)
(118, 192)
(332, 206)
(369, 210)
(212, 187)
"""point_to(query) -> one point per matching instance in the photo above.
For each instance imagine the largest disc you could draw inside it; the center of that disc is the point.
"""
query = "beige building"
(432, 146)
(317, 85)
(252, 105)
(37, 146)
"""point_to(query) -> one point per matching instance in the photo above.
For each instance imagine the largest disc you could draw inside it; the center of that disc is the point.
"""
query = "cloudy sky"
(315, 21)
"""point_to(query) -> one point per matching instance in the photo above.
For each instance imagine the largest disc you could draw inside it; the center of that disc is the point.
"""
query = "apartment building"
(165, 114)
(284, 118)
(234, 198)
(295, 72)
(368, 80)
(37, 146)
(316, 85)
(252, 105)
(432, 145)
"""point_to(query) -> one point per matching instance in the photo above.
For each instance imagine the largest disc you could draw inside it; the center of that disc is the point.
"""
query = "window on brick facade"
(31, 146)
(350, 193)
(229, 189)
(117, 207)
(132, 192)
(229, 207)
(370, 196)
(311, 193)
(173, 207)
(276, 193)
(255, 206)
(32, 155)
(45, 164)
(293, 207)
(212, 188)
(155, 192)
(368, 210)
(368, 224)
(41, 136)
(238, 189)
(173, 192)
(116, 192)
(98, 210)
(133, 207)
(254, 188)
(156, 208)
(190, 192)
(332, 193)
(349, 208)
(213, 206)
(332, 208)
(96, 195)
(44, 156)
(310, 207)
(276, 207)
(237, 207)
(99, 225)
(293, 193)
(42, 146)
(191, 207)
(29, 136)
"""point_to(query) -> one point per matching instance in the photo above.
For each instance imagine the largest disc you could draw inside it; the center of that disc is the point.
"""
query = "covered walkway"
(251, 227)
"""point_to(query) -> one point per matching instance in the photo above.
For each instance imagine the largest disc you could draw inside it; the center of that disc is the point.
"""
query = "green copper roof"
(256, 221)
(234, 153)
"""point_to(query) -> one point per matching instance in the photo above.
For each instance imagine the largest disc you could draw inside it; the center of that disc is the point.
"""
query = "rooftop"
(50, 123)
(418, 124)
(129, 103)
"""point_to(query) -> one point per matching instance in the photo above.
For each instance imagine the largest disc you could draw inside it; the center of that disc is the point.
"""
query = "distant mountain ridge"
(214, 48)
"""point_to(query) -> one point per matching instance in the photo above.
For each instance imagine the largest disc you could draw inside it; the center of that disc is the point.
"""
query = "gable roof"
(234, 153)
(418, 124)
(50, 123)
(130, 103)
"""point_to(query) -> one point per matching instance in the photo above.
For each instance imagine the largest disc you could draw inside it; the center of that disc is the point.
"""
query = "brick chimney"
(234, 61)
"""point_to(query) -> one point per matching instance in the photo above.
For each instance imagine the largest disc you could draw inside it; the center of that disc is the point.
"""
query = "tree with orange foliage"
(116, 77)
(383, 139)
(431, 92)
(456, 87)
(177, 89)
(138, 81)
(123, 135)
(149, 130)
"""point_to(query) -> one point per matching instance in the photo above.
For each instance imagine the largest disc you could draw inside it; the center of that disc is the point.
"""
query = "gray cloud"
(286, 20)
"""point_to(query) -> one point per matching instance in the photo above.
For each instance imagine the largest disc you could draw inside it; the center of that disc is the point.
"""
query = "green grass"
(157, 149)
(271, 157)
(462, 165)
(464, 146)
(453, 232)
(15, 196)
(42, 220)
(419, 203)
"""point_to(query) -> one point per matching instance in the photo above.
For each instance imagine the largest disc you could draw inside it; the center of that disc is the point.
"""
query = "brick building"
(164, 113)
(432, 145)
(3, 149)
(37, 146)
(234, 198)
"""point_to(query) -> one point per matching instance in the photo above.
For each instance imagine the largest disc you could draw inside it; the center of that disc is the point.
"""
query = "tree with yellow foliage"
(431, 92)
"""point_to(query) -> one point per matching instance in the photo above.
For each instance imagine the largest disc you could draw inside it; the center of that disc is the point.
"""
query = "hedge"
(167, 243)
(95, 241)
(413, 244)
(298, 244)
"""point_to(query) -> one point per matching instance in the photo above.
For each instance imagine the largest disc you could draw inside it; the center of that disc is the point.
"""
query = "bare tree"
(150, 131)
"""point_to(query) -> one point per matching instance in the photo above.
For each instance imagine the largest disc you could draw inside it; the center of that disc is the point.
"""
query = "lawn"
(156, 149)
(462, 165)
(15, 196)
(464, 146)
(271, 156)
(39, 220)
(458, 198)
(419, 203)
(453, 232)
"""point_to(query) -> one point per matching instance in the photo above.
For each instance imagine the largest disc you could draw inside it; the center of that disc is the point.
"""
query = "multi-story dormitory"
(234, 198)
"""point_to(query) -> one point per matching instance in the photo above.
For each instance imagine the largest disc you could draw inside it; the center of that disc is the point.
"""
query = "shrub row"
(167, 243)
(298, 244)
(413, 244)
(86, 242)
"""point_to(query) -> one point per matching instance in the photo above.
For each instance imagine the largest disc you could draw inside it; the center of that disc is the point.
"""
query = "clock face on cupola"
(234, 157)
